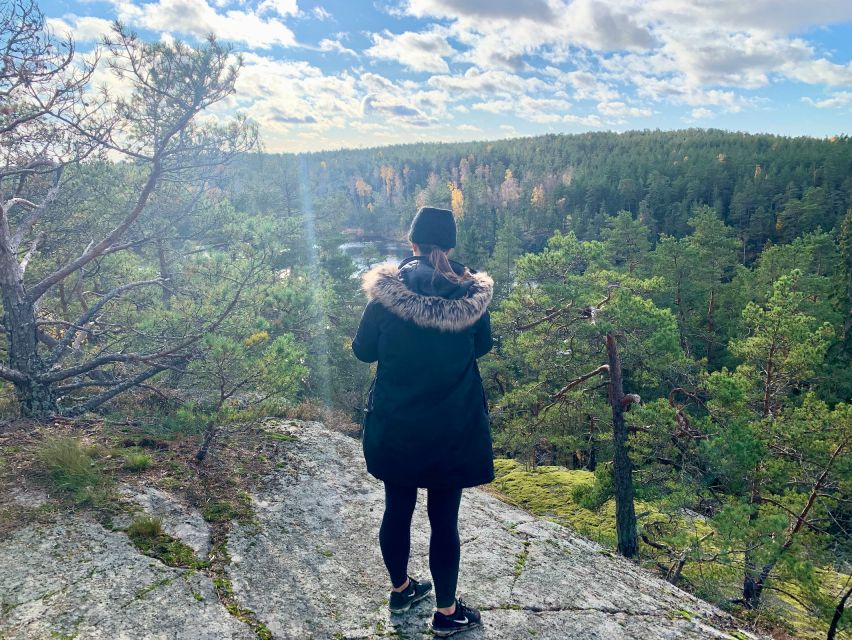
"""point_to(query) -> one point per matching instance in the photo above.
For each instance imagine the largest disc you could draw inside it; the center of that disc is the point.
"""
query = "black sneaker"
(401, 601)
(463, 618)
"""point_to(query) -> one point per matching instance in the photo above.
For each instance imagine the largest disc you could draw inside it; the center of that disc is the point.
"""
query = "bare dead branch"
(35, 215)
(99, 399)
(580, 380)
(29, 254)
(83, 320)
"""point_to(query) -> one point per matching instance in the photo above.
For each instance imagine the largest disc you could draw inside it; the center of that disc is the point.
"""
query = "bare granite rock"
(29, 497)
(75, 579)
(310, 566)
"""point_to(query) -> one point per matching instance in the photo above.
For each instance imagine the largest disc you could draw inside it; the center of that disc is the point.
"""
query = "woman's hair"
(438, 257)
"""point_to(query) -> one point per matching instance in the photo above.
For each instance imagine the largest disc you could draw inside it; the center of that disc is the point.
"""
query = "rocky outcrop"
(308, 565)
(75, 579)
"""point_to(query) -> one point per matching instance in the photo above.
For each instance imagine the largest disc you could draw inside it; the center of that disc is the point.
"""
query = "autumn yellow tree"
(456, 199)
(363, 192)
(537, 198)
(387, 174)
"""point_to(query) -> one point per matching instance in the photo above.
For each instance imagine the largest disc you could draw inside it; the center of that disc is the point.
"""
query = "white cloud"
(403, 100)
(620, 110)
(82, 28)
(775, 16)
(386, 106)
(587, 121)
(198, 18)
(532, 10)
(819, 71)
(837, 100)
(584, 85)
(499, 32)
(104, 78)
(598, 25)
(476, 82)
(289, 96)
(747, 60)
(418, 51)
(574, 63)
(678, 90)
(692, 52)
(320, 13)
(375, 83)
(336, 46)
(541, 110)
(281, 7)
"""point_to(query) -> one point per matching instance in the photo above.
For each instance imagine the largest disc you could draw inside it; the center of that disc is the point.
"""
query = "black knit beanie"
(434, 226)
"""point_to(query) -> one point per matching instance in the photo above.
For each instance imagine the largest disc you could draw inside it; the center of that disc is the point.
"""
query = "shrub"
(595, 496)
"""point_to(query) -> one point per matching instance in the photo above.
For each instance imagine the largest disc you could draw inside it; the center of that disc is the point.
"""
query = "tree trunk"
(209, 433)
(36, 398)
(165, 272)
(752, 582)
(711, 328)
(752, 590)
(625, 515)
(592, 453)
(838, 613)
(681, 321)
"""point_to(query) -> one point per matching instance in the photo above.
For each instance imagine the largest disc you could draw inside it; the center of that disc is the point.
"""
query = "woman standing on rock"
(426, 421)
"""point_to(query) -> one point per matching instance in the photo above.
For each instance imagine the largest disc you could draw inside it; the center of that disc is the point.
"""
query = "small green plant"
(681, 613)
(137, 461)
(153, 587)
(521, 559)
(238, 508)
(67, 466)
(146, 527)
(280, 436)
(148, 536)
(187, 419)
(225, 590)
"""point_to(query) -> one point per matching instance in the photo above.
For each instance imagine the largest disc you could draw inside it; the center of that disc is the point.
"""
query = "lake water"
(367, 253)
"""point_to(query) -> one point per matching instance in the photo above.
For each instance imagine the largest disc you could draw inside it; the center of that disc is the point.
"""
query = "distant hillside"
(770, 188)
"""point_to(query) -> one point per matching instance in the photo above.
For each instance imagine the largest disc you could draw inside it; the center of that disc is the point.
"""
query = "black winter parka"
(426, 421)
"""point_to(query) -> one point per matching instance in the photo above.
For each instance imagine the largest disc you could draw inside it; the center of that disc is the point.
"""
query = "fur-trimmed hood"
(385, 285)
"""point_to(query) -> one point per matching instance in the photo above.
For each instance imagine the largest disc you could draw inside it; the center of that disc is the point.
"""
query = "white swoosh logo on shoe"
(463, 620)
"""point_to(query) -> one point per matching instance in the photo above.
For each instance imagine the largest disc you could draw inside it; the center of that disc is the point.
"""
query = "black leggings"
(444, 545)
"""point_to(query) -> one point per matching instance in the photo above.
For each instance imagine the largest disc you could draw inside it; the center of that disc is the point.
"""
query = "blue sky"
(327, 74)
